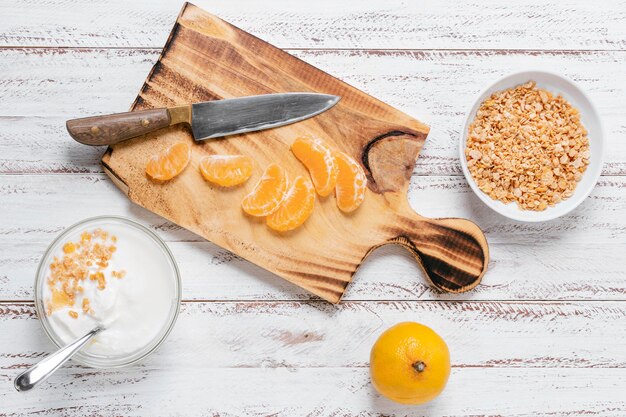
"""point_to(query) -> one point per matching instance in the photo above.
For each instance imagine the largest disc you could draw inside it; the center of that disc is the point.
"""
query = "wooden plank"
(476, 24)
(552, 261)
(440, 85)
(528, 260)
(244, 358)
(318, 334)
(316, 392)
(206, 58)
(389, 273)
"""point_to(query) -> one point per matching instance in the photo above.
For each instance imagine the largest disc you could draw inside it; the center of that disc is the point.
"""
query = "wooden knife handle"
(453, 252)
(114, 128)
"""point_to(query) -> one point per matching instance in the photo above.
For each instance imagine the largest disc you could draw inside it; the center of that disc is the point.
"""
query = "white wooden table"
(544, 334)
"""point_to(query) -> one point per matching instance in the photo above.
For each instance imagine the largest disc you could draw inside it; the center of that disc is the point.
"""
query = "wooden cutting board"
(206, 58)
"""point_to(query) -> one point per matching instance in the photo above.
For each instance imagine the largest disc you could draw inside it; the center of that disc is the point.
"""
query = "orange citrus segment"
(318, 159)
(226, 170)
(351, 183)
(295, 208)
(268, 193)
(169, 163)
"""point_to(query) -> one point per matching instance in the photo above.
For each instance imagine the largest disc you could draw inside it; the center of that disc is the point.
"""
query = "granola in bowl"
(528, 146)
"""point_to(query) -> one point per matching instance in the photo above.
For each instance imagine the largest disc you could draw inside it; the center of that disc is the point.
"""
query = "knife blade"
(211, 119)
(214, 119)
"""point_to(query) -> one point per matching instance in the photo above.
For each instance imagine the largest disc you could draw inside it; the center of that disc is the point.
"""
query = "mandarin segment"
(268, 193)
(226, 170)
(169, 163)
(351, 183)
(295, 208)
(318, 158)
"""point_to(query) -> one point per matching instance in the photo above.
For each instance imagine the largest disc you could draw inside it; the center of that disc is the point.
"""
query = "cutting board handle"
(453, 252)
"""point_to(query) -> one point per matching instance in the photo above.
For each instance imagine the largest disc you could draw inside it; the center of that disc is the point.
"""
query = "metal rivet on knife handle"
(114, 128)
(207, 120)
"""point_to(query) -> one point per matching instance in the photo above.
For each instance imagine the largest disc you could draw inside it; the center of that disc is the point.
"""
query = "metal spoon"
(41, 371)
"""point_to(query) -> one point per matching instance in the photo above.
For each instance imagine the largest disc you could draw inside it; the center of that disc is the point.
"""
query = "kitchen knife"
(210, 119)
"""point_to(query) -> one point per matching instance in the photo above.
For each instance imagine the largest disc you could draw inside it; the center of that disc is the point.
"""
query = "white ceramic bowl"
(556, 84)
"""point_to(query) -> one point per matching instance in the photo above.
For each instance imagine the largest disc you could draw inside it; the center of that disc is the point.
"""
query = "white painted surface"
(370, 24)
(544, 334)
(310, 358)
(556, 260)
(437, 87)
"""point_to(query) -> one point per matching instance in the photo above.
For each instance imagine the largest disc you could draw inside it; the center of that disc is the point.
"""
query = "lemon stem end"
(419, 366)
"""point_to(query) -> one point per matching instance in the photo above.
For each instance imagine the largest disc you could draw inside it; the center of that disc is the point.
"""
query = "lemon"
(410, 363)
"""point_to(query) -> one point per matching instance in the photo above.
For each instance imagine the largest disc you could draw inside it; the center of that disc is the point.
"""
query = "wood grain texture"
(528, 261)
(372, 24)
(437, 85)
(510, 358)
(310, 358)
(309, 392)
(309, 334)
(113, 128)
(206, 58)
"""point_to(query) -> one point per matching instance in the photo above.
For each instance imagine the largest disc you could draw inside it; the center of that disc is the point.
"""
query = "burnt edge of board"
(429, 262)
(107, 154)
(119, 182)
(417, 135)
(410, 162)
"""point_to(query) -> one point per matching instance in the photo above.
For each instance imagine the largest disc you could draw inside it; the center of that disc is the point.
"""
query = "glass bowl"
(108, 360)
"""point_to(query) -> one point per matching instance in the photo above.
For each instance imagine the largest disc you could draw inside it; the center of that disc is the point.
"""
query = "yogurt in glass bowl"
(113, 272)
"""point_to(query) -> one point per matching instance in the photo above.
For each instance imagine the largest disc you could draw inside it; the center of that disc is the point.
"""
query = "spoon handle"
(42, 370)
